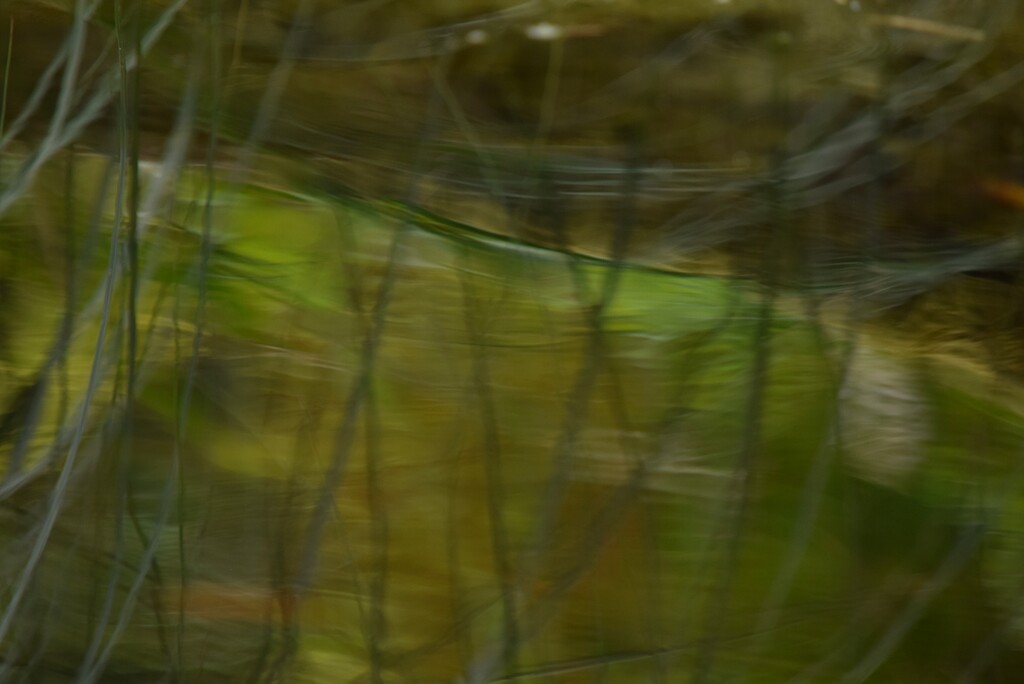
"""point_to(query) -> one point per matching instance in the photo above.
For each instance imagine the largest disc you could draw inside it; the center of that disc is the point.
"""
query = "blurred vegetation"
(471, 341)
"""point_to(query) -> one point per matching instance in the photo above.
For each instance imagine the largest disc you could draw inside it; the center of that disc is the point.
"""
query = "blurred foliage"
(474, 341)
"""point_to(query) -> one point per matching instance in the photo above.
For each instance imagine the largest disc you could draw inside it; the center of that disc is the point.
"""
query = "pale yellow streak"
(951, 31)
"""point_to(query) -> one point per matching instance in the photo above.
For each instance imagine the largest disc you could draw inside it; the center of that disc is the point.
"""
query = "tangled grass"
(476, 342)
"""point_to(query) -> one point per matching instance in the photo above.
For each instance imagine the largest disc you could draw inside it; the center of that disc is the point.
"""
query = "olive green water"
(479, 342)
